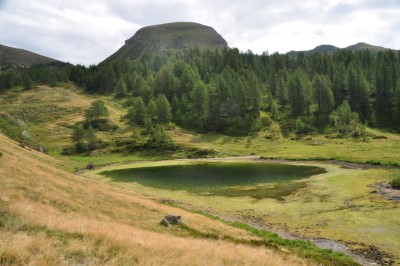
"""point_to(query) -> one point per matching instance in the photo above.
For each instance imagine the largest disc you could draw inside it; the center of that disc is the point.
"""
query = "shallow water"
(231, 179)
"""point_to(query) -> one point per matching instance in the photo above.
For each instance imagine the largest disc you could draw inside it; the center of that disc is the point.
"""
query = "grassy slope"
(20, 57)
(49, 217)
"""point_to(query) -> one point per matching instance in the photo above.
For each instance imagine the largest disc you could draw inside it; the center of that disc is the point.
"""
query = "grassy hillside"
(171, 36)
(50, 217)
(12, 57)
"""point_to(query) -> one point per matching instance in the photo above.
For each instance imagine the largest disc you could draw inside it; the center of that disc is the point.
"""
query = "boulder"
(169, 220)
(165, 222)
(172, 219)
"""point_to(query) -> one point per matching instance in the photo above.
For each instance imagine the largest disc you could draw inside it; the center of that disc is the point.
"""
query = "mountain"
(14, 57)
(330, 49)
(365, 46)
(170, 36)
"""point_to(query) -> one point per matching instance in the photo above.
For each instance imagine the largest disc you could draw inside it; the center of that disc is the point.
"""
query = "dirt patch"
(386, 191)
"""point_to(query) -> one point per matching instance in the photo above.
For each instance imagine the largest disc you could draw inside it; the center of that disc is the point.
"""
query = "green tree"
(97, 111)
(137, 113)
(347, 121)
(201, 105)
(165, 82)
(91, 137)
(27, 82)
(163, 109)
(323, 94)
(78, 135)
(151, 110)
(159, 138)
(358, 93)
(121, 90)
(396, 107)
(299, 93)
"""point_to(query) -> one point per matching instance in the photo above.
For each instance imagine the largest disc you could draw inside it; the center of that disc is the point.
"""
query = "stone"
(165, 222)
(172, 219)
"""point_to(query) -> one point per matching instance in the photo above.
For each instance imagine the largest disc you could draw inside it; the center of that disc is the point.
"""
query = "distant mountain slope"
(330, 49)
(365, 46)
(171, 36)
(14, 57)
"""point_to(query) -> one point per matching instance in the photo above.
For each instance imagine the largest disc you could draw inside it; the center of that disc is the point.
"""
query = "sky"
(88, 31)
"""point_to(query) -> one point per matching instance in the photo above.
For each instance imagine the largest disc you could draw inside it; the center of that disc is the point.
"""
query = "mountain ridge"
(330, 49)
(169, 36)
(11, 57)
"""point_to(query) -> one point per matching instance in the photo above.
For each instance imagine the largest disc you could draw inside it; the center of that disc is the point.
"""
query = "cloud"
(89, 31)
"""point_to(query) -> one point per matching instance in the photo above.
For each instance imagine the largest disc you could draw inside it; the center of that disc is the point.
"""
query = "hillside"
(171, 36)
(14, 57)
(330, 49)
(44, 220)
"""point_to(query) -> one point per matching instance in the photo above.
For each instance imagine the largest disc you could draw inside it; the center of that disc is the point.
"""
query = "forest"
(227, 90)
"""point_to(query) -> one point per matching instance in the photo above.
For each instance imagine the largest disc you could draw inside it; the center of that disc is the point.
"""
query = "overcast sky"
(88, 31)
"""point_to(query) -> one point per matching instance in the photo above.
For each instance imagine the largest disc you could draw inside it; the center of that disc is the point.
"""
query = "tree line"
(226, 90)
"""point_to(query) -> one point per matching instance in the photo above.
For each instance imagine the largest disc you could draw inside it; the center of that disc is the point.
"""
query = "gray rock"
(172, 219)
(165, 222)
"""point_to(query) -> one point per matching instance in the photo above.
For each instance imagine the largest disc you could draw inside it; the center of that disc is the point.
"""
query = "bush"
(395, 183)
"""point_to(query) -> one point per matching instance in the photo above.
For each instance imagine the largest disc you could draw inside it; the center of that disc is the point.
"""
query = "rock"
(169, 220)
(165, 222)
(393, 198)
(172, 219)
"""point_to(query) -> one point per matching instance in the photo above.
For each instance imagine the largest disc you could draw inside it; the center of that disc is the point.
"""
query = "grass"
(51, 217)
(300, 247)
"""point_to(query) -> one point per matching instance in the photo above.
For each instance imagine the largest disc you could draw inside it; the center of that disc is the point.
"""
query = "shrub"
(395, 183)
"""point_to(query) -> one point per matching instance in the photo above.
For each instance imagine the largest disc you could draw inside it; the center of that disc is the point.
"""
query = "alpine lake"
(257, 180)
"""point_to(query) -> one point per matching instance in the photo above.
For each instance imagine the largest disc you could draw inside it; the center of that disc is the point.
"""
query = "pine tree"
(201, 105)
(358, 93)
(163, 109)
(396, 107)
(137, 114)
(323, 94)
(96, 111)
(299, 93)
(77, 137)
(91, 137)
(121, 90)
(151, 110)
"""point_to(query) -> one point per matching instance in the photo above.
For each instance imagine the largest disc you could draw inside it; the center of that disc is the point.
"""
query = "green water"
(230, 179)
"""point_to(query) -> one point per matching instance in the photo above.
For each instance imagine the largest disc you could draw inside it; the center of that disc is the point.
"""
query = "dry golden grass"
(56, 218)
